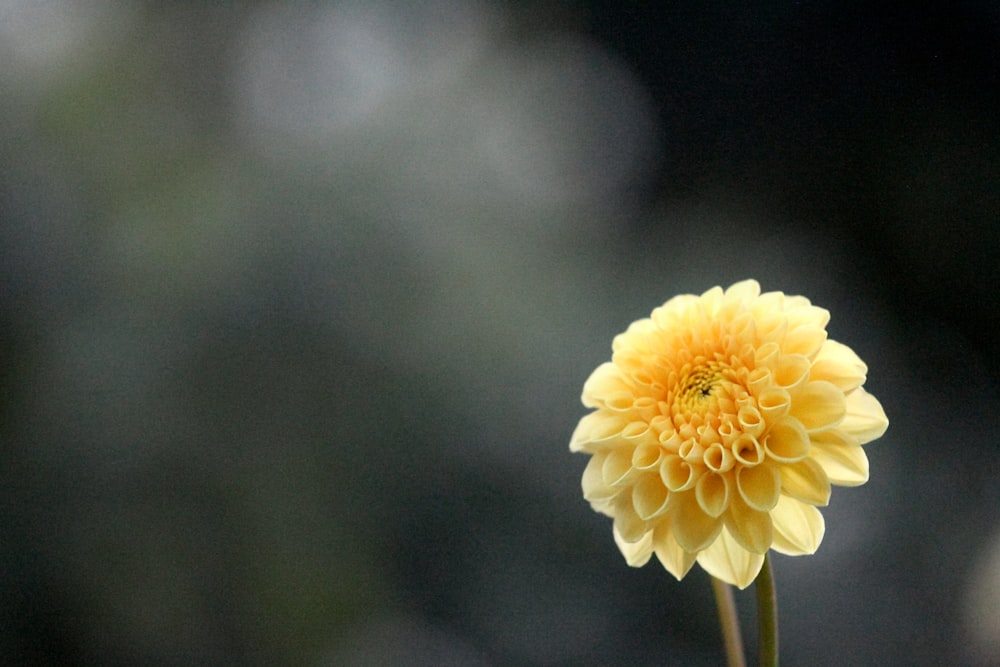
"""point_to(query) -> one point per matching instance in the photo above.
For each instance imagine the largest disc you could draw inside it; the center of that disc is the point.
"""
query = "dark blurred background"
(298, 300)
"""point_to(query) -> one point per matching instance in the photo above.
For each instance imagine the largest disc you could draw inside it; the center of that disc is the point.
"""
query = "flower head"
(720, 424)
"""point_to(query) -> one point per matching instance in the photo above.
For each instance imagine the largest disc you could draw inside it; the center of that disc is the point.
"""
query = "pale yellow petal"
(844, 462)
(629, 525)
(725, 559)
(750, 527)
(838, 364)
(718, 458)
(677, 474)
(759, 486)
(712, 492)
(650, 497)
(674, 559)
(692, 528)
(790, 370)
(748, 451)
(750, 420)
(596, 430)
(819, 405)
(636, 553)
(641, 338)
(774, 403)
(669, 315)
(806, 481)
(798, 528)
(605, 382)
(617, 469)
(806, 339)
(592, 482)
(743, 291)
(865, 419)
(648, 457)
(787, 441)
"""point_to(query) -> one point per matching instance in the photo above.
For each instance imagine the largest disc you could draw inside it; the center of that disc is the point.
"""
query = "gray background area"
(298, 300)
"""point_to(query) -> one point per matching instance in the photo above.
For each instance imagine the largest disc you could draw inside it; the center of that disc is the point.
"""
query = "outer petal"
(806, 481)
(819, 405)
(759, 486)
(592, 482)
(750, 527)
(844, 462)
(636, 553)
(596, 430)
(628, 525)
(865, 418)
(798, 528)
(605, 382)
(728, 561)
(674, 559)
(743, 291)
(838, 364)
(692, 528)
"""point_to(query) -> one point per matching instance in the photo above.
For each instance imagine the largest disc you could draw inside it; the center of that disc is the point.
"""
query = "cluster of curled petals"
(720, 424)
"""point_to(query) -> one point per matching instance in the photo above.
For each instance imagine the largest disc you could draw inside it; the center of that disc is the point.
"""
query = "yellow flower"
(720, 424)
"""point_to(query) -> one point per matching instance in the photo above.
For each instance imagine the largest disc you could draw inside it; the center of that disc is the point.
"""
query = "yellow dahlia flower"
(719, 425)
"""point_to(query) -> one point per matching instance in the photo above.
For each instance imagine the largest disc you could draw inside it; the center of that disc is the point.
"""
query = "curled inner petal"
(712, 493)
(759, 486)
(649, 497)
(787, 441)
(677, 474)
(774, 403)
(647, 457)
(719, 458)
(617, 468)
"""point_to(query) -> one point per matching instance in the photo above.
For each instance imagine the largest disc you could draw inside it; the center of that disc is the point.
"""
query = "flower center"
(696, 389)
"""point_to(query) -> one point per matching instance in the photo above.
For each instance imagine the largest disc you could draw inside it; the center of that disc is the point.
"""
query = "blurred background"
(298, 299)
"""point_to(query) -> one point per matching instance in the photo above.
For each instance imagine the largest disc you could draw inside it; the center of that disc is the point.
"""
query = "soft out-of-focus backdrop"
(298, 300)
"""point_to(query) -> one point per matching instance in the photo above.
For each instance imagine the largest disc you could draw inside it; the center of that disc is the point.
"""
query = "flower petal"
(629, 525)
(790, 370)
(774, 403)
(728, 561)
(647, 457)
(838, 364)
(649, 497)
(712, 493)
(798, 528)
(606, 380)
(636, 553)
(592, 482)
(787, 441)
(677, 474)
(617, 469)
(597, 429)
(806, 339)
(806, 481)
(748, 451)
(750, 527)
(692, 527)
(674, 559)
(759, 486)
(743, 291)
(865, 419)
(845, 463)
(819, 405)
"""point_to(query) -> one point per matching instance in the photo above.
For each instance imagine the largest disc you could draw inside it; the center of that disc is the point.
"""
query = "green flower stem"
(729, 622)
(767, 615)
